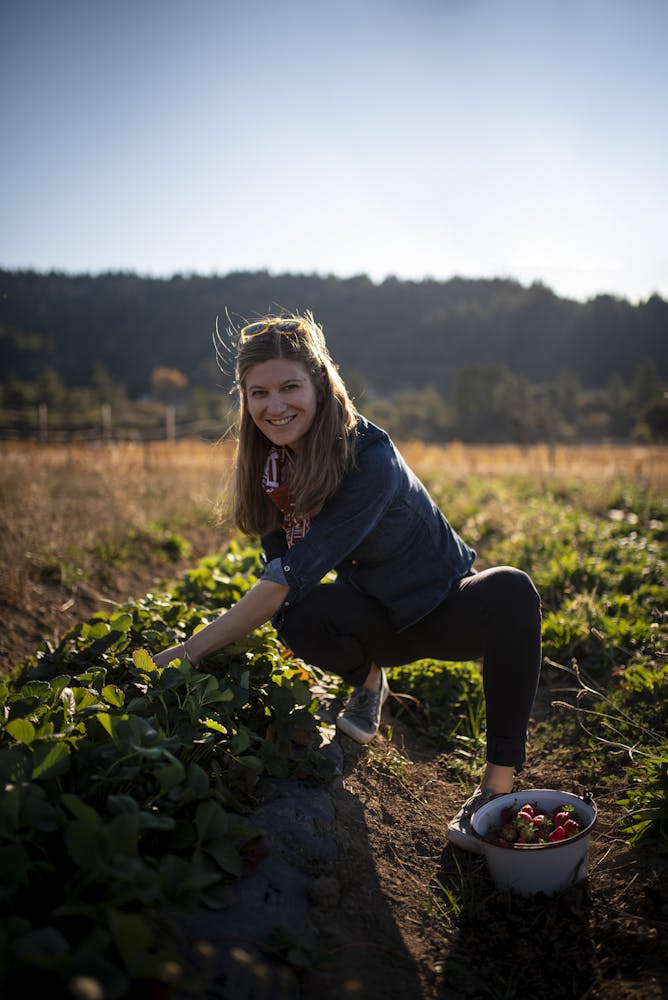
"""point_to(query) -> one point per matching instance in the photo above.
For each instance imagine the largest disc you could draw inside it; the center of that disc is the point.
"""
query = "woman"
(327, 490)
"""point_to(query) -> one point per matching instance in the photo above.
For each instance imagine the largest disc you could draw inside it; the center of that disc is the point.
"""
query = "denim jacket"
(381, 532)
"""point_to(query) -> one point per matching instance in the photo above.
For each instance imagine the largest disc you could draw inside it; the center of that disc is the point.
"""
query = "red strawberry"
(526, 816)
(528, 808)
(571, 827)
(557, 834)
(560, 816)
(539, 820)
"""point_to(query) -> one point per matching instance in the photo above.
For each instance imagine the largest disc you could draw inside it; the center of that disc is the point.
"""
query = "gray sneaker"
(460, 832)
(360, 716)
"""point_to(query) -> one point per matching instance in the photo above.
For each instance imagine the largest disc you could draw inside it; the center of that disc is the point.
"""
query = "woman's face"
(281, 400)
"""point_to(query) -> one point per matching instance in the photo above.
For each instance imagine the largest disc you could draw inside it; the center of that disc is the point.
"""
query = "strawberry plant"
(128, 787)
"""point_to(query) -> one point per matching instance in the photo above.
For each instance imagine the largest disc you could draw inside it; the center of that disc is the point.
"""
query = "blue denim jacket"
(381, 532)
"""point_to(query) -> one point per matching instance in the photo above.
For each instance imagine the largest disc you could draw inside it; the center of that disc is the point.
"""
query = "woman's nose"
(275, 403)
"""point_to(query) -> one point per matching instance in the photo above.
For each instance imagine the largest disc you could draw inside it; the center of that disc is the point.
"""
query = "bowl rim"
(586, 799)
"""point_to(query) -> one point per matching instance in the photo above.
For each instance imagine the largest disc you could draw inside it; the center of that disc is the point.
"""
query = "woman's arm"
(255, 608)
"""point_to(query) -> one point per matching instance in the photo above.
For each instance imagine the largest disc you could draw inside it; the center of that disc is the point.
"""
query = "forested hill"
(392, 336)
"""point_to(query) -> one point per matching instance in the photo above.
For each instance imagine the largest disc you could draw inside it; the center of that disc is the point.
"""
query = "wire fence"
(40, 424)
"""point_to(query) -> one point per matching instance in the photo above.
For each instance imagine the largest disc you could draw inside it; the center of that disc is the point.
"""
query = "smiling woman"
(328, 492)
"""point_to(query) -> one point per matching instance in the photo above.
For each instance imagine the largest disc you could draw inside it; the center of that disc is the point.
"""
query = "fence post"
(42, 422)
(105, 413)
(170, 422)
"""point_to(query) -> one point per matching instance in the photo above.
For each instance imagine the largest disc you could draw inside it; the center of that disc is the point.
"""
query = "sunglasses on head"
(273, 325)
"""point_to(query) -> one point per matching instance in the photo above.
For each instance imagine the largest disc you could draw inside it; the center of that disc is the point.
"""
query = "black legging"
(494, 615)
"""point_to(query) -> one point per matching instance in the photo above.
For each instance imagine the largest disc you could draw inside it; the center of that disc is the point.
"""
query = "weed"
(390, 761)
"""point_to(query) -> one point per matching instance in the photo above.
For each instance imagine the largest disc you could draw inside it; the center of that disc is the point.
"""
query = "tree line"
(478, 360)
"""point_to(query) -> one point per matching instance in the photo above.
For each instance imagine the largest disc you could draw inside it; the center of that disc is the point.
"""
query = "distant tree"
(476, 414)
(618, 403)
(646, 383)
(167, 384)
(50, 388)
(567, 392)
(653, 421)
(513, 401)
(401, 336)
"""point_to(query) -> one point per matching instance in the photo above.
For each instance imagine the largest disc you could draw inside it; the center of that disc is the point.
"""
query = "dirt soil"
(385, 927)
(45, 610)
(387, 933)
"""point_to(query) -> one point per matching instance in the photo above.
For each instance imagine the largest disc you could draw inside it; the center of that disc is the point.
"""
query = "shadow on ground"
(310, 922)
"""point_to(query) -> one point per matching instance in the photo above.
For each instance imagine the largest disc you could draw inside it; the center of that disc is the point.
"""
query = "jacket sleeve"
(274, 544)
(342, 525)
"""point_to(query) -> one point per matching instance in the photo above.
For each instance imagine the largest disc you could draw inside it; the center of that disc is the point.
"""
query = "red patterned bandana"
(275, 480)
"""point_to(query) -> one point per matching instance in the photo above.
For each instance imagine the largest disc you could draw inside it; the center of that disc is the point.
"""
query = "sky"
(522, 139)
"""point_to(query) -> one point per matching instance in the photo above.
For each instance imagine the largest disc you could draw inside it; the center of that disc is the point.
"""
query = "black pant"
(494, 615)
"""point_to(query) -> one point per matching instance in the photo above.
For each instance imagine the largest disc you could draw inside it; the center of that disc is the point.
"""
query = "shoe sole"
(465, 842)
(355, 734)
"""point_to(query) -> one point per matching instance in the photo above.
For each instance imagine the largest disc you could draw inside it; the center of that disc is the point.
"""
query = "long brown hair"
(327, 453)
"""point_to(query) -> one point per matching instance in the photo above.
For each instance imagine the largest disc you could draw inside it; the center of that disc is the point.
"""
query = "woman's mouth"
(282, 421)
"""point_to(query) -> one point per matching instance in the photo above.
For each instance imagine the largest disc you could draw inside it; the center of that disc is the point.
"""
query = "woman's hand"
(179, 652)
(255, 608)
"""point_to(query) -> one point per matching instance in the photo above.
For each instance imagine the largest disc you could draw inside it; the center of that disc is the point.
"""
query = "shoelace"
(360, 701)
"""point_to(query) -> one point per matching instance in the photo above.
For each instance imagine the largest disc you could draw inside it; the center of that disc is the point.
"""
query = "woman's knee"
(514, 590)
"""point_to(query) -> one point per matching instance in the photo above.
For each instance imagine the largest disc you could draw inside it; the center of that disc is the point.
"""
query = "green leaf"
(211, 821)
(43, 947)
(122, 621)
(37, 812)
(225, 854)
(15, 765)
(50, 760)
(37, 689)
(224, 696)
(98, 630)
(215, 726)
(171, 775)
(106, 721)
(22, 731)
(114, 695)
(241, 741)
(133, 937)
(198, 780)
(80, 809)
(143, 661)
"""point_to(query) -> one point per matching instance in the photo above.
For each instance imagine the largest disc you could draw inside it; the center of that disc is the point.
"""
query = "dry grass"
(65, 507)
(630, 463)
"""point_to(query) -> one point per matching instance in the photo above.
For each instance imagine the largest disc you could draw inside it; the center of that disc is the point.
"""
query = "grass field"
(175, 754)
(68, 511)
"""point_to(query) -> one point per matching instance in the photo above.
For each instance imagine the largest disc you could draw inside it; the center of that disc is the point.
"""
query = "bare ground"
(385, 915)
(392, 933)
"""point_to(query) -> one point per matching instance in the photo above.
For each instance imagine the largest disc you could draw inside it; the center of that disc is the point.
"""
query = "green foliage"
(597, 556)
(645, 823)
(127, 786)
(446, 701)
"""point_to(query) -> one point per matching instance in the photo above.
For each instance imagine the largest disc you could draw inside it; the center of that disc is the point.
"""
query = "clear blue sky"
(418, 138)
